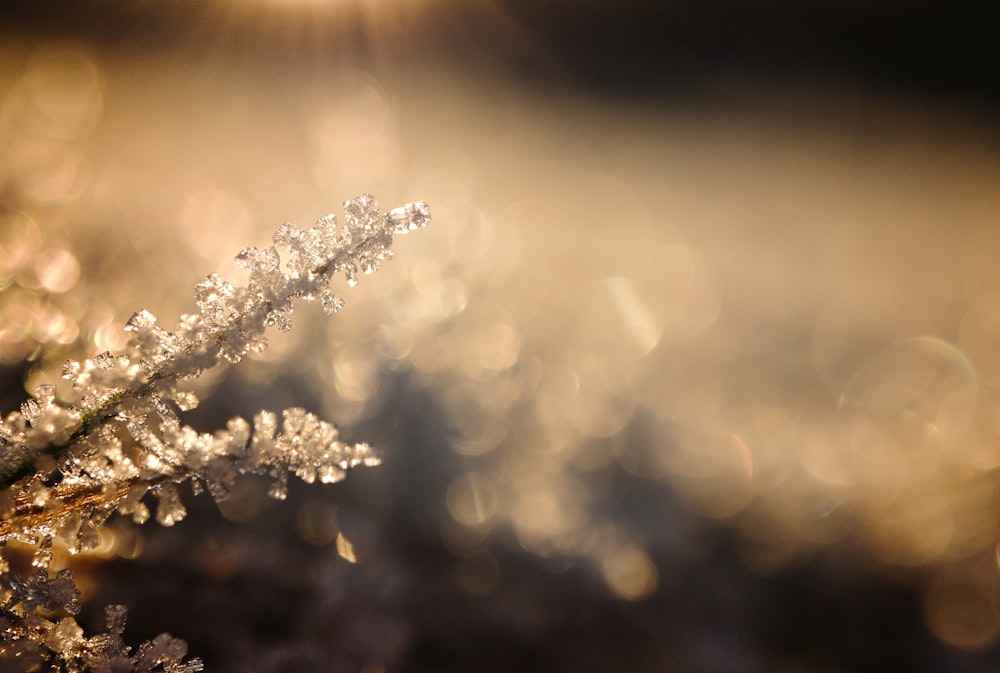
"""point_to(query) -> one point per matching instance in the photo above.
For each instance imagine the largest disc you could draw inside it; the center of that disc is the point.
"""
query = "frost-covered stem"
(90, 420)
(314, 256)
(77, 500)
(308, 446)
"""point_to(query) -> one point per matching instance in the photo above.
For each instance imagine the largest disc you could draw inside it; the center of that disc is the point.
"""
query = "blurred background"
(696, 368)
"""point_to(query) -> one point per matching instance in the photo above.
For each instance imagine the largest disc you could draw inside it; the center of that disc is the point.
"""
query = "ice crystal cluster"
(121, 447)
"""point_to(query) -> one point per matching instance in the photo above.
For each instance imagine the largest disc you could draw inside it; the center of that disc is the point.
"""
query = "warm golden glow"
(795, 334)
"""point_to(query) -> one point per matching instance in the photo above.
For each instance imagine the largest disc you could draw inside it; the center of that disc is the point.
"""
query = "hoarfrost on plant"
(65, 468)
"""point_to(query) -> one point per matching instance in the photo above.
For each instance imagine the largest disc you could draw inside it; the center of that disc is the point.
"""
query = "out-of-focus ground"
(697, 367)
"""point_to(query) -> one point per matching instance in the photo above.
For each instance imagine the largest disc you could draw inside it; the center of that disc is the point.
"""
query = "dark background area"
(629, 48)
(255, 597)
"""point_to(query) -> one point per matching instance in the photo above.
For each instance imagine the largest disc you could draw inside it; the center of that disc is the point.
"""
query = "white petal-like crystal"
(169, 508)
(409, 217)
(70, 370)
(361, 214)
(186, 400)
(139, 320)
(31, 410)
(331, 302)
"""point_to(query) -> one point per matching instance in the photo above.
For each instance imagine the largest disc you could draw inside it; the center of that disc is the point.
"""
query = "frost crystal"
(140, 320)
(331, 302)
(169, 509)
(409, 217)
(71, 370)
(186, 401)
(362, 215)
(31, 411)
(45, 394)
(105, 361)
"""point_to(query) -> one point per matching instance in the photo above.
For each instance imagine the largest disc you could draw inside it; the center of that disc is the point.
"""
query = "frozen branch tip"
(66, 468)
(51, 450)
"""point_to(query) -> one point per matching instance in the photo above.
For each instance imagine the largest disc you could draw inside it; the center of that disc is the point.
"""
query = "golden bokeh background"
(773, 298)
